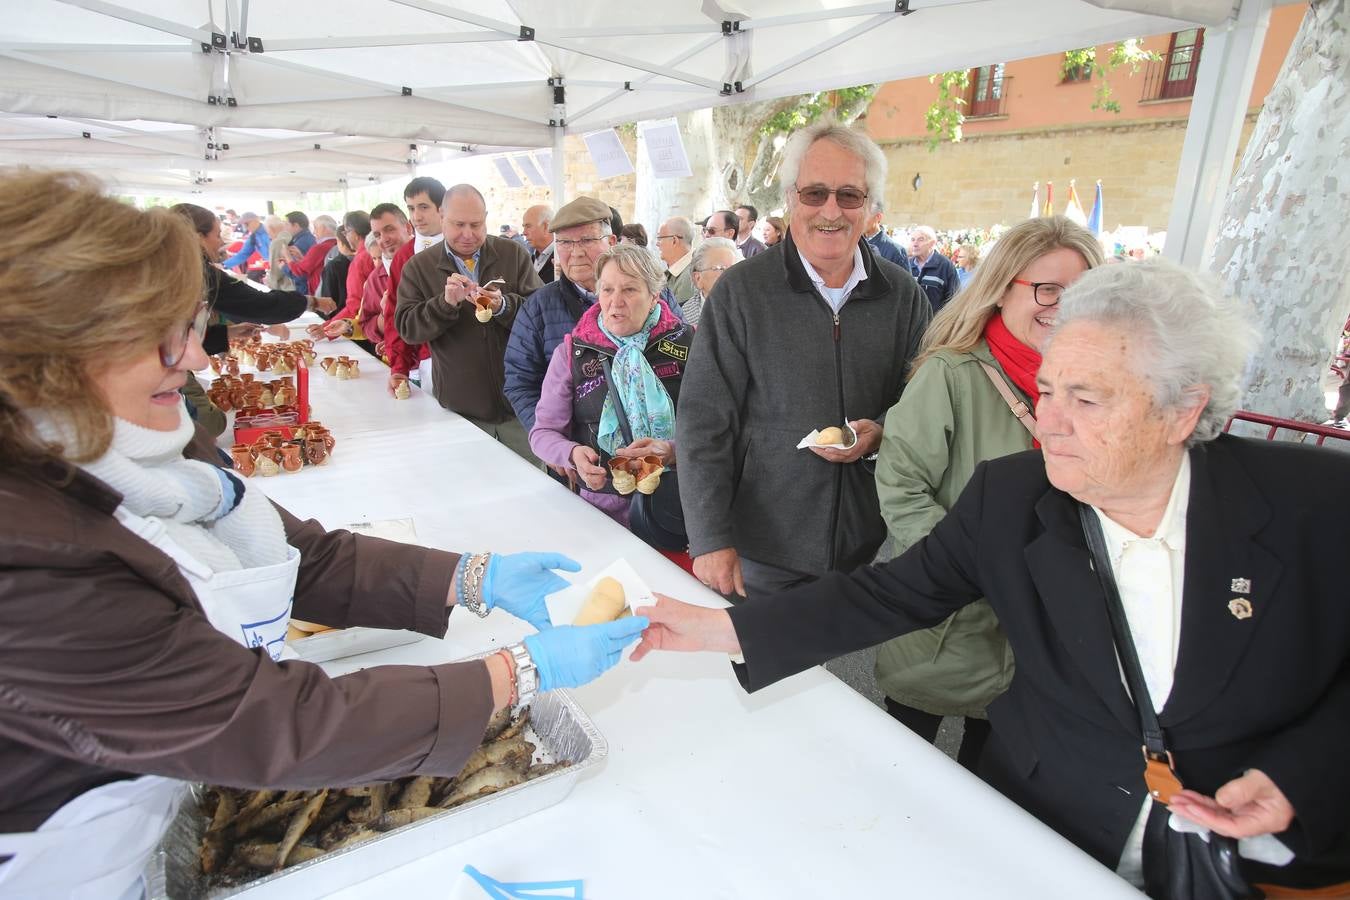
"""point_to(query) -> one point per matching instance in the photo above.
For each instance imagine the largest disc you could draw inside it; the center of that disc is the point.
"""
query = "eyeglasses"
(173, 347)
(1045, 293)
(713, 269)
(666, 237)
(568, 245)
(711, 231)
(819, 195)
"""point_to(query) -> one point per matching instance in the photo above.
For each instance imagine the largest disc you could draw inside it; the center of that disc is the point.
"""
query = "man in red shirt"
(390, 226)
(423, 196)
(356, 225)
(310, 266)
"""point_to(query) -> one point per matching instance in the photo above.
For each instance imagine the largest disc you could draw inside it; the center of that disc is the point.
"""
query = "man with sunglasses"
(935, 273)
(820, 334)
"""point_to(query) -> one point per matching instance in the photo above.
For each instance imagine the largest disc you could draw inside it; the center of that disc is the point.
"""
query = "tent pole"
(559, 167)
(1223, 88)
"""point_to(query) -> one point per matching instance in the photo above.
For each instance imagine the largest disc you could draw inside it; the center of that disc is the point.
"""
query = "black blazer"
(1271, 691)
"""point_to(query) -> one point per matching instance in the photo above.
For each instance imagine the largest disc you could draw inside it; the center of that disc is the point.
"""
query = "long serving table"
(804, 789)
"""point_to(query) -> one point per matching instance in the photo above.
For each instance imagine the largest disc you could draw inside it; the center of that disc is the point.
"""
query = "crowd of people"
(993, 409)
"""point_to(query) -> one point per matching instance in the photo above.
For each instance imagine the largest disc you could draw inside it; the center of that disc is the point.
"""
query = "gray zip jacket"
(770, 362)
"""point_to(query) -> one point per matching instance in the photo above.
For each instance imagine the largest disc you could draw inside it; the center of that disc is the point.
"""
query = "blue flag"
(1094, 220)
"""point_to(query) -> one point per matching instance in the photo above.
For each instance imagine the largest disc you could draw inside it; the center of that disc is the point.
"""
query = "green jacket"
(949, 419)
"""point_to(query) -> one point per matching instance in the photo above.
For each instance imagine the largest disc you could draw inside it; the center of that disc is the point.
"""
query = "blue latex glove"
(571, 655)
(519, 582)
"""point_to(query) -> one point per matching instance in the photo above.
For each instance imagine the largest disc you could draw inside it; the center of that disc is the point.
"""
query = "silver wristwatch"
(527, 675)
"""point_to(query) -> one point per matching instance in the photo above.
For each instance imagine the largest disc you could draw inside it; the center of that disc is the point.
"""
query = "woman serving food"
(145, 591)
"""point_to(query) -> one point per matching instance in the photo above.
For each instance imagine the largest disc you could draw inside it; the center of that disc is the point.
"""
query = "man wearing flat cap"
(582, 230)
(436, 306)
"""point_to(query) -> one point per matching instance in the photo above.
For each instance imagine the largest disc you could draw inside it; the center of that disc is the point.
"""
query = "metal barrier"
(1275, 424)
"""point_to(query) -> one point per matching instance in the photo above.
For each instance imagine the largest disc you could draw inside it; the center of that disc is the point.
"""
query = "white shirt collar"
(425, 240)
(858, 275)
(681, 264)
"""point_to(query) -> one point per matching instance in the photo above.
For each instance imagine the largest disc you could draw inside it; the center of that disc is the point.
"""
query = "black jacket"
(234, 301)
(1270, 692)
(771, 361)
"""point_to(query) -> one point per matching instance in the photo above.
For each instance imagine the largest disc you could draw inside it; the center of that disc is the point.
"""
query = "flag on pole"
(1094, 221)
(1073, 210)
(1035, 200)
(1049, 199)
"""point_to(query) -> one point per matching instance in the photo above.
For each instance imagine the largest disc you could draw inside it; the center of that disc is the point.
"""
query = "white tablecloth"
(804, 789)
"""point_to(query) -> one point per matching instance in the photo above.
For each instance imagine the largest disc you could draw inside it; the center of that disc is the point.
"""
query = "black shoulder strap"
(1120, 631)
(618, 404)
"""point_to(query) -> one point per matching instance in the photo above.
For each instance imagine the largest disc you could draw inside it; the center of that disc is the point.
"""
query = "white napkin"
(565, 604)
(810, 440)
(1265, 848)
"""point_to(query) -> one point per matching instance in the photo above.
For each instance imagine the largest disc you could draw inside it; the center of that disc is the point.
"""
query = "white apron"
(97, 845)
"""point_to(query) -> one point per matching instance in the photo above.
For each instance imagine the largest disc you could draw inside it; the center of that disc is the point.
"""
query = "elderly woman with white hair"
(711, 258)
(1214, 576)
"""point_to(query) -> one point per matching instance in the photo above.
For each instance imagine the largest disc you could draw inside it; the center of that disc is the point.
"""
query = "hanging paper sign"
(525, 163)
(665, 149)
(508, 172)
(608, 154)
(544, 159)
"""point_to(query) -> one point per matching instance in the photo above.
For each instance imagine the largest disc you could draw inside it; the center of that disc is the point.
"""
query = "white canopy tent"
(321, 94)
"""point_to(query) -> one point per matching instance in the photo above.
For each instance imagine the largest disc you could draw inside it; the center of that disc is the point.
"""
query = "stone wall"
(987, 179)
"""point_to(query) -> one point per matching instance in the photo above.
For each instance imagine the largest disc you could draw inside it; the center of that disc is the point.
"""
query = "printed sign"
(665, 149)
(608, 154)
(508, 172)
(525, 163)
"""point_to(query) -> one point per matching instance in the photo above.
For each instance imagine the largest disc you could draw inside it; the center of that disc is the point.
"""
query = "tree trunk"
(732, 160)
(1284, 245)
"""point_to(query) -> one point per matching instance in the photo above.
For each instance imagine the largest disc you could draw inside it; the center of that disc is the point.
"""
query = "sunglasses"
(709, 231)
(1045, 293)
(173, 347)
(819, 195)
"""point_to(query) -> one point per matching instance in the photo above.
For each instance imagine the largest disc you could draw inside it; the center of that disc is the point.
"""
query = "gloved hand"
(519, 582)
(572, 655)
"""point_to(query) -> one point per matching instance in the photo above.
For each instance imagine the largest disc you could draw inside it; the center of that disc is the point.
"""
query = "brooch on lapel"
(1240, 607)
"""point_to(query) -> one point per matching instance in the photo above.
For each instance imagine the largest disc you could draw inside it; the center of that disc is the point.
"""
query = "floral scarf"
(645, 400)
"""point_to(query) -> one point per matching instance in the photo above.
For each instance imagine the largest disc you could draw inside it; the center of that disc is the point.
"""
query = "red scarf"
(1019, 361)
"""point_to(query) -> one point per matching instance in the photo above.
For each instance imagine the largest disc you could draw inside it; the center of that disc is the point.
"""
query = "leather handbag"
(656, 518)
(1176, 866)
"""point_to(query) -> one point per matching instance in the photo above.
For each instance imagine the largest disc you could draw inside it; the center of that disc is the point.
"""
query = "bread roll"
(832, 435)
(605, 604)
(309, 627)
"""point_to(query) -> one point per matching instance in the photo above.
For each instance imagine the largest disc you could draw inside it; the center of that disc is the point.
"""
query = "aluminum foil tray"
(559, 727)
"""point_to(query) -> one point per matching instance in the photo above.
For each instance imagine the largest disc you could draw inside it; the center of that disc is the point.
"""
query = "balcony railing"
(994, 104)
(1157, 85)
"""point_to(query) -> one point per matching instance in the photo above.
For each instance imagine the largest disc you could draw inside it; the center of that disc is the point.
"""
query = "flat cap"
(580, 211)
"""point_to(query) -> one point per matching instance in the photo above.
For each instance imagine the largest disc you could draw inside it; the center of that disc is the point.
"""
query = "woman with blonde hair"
(970, 398)
(145, 591)
(967, 258)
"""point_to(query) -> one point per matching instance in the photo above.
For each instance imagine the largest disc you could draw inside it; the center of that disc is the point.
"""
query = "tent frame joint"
(902, 7)
(526, 33)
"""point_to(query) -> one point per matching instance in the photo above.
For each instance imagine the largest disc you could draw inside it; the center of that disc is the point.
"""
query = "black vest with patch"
(667, 354)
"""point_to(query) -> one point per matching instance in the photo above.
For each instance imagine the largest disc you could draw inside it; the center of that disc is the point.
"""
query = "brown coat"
(109, 668)
(467, 369)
